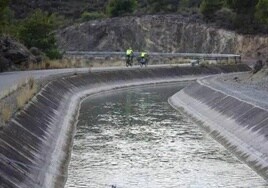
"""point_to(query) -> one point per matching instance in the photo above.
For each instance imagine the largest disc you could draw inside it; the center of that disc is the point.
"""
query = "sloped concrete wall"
(35, 146)
(240, 126)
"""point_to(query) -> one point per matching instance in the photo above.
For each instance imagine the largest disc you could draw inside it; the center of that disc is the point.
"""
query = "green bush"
(156, 6)
(87, 16)
(189, 3)
(242, 6)
(261, 13)
(120, 7)
(209, 7)
(3, 6)
(225, 18)
(6, 16)
(53, 53)
(37, 31)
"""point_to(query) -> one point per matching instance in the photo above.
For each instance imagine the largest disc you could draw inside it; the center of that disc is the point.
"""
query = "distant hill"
(243, 16)
(68, 8)
(74, 8)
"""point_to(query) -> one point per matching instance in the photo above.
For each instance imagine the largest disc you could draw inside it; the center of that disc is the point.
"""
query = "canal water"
(132, 138)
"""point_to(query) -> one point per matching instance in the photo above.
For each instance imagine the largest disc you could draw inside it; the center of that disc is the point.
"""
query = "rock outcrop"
(159, 33)
(13, 54)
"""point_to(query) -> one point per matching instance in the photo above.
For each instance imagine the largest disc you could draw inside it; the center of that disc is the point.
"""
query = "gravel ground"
(245, 86)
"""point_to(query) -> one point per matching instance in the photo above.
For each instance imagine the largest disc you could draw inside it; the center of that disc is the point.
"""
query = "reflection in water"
(133, 138)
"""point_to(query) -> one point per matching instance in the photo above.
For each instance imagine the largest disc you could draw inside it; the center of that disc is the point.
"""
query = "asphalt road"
(9, 81)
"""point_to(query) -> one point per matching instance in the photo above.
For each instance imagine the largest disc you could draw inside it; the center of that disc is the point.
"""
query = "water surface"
(132, 138)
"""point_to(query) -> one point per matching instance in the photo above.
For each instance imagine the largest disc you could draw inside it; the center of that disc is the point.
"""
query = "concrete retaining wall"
(240, 126)
(35, 146)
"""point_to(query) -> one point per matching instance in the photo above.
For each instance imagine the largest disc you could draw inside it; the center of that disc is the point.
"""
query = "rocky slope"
(14, 54)
(159, 33)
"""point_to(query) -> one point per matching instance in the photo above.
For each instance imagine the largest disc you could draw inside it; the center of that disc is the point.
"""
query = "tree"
(244, 20)
(190, 3)
(36, 31)
(241, 6)
(261, 13)
(120, 7)
(209, 7)
(3, 5)
(3, 11)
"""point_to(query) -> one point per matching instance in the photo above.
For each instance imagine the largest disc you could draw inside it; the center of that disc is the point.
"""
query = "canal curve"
(132, 138)
(35, 146)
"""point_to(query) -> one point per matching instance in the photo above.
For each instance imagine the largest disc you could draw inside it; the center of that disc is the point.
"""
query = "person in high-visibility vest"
(143, 59)
(129, 52)
(143, 54)
(129, 57)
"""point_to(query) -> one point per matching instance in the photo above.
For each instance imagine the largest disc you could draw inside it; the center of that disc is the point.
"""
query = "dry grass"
(6, 112)
(75, 63)
(5, 93)
(60, 64)
(26, 93)
(14, 88)
(16, 99)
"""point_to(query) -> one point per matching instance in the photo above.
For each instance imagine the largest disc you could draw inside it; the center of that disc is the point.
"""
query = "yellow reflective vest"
(129, 52)
(143, 54)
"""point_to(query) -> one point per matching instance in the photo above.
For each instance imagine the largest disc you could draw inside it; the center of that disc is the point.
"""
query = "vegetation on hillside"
(36, 30)
(121, 7)
(245, 16)
(34, 27)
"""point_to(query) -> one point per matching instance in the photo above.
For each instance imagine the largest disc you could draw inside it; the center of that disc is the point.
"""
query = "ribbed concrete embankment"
(240, 125)
(34, 147)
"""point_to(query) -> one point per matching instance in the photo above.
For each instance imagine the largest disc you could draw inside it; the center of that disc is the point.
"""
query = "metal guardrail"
(182, 55)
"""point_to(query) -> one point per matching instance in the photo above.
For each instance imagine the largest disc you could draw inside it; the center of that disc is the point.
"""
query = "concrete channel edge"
(35, 146)
(237, 124)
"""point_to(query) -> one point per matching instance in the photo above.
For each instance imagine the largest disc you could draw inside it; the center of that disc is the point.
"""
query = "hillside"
(68, 8)
(159, 33)
(204, 26)
(243, 16)
(74, 8)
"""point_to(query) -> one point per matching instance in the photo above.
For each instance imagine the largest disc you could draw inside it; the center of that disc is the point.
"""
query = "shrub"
(3, 7)
(209, 7)
(190, 3)
(225, 17)
(120, 7)
(157, 6)
(242, 6)
(261, 13)
(87, 16)
(36, 31)
(53, 53)
(6, 17)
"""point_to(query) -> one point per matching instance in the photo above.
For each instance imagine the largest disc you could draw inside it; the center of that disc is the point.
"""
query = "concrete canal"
(132, 137)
